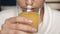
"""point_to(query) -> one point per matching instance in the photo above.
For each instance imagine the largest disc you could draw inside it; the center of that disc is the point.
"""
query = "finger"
(4, 26)
(8, 31)
(12, 32)
(22, 27)
(0, 32)
(18, 20)
(4, 32)
(4, 29)
(7, 27)
(22, 32)
(26, 28)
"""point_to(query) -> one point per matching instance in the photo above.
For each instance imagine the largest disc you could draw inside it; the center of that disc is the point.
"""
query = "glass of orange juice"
(32, 15)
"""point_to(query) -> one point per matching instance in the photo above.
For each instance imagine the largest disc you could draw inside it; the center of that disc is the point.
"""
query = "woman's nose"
(29, 2)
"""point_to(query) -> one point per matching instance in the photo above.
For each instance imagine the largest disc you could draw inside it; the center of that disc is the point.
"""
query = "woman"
(49, 24)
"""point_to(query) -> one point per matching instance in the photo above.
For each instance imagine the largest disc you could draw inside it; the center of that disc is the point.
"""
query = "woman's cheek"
(21, 3)
(37, 3)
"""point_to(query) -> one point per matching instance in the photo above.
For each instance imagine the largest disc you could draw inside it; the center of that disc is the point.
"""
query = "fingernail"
(34, 30)
(30, 21)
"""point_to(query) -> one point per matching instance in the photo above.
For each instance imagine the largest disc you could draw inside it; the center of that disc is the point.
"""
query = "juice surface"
(32, 16)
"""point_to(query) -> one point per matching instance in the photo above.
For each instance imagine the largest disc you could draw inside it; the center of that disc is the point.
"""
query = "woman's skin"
(14, 25)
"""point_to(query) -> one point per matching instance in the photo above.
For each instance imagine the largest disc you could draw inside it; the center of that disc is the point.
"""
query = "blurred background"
(54, 4)
(7, 4)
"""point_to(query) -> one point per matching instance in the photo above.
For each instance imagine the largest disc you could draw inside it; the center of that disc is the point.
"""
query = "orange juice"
(32, 16)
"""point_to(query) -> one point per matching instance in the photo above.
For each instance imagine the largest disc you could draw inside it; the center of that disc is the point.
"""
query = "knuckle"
(7, 19)
(3, 25)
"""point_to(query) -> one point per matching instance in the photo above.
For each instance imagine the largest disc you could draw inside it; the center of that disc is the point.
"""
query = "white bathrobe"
(50, 24)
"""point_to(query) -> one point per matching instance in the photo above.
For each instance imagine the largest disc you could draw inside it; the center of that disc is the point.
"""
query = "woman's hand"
(17, 25)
